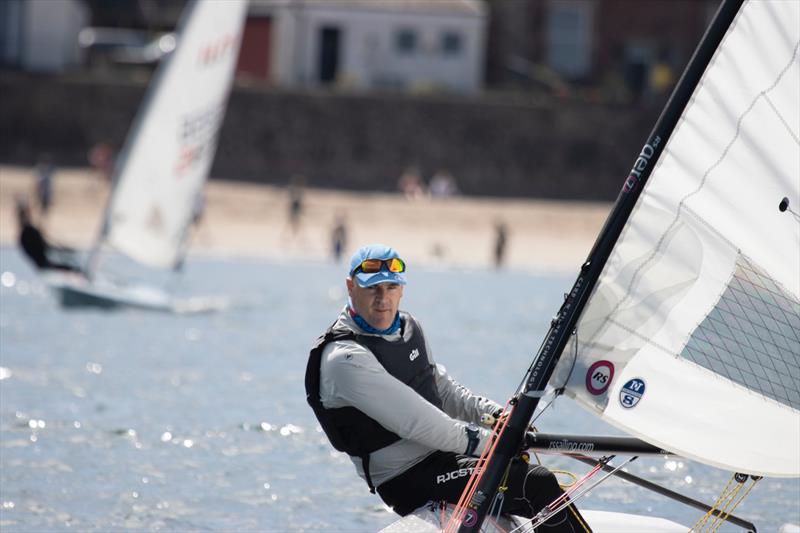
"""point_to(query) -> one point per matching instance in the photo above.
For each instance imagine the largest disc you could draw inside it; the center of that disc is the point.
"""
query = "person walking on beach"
(409, 428)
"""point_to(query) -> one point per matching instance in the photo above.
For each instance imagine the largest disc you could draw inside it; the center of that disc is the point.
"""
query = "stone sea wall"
(506, 145)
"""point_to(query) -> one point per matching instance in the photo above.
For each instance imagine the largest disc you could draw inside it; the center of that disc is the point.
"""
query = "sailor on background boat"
(409, 428)
(43, 254)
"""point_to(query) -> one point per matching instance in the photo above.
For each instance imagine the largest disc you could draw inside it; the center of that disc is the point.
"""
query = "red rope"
(477, 473)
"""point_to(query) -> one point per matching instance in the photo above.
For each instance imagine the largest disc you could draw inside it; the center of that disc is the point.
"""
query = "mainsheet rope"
(564, 501)
(727, 498)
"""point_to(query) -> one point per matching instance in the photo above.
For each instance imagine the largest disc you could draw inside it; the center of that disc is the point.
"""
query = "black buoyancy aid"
(350, 430)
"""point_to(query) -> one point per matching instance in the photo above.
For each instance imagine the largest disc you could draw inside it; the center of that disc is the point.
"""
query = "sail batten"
(696, 314)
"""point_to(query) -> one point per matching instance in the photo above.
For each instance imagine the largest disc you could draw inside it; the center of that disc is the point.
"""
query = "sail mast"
(565, 321)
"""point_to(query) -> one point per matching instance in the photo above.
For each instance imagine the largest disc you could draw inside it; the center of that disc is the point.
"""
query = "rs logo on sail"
(599, 376)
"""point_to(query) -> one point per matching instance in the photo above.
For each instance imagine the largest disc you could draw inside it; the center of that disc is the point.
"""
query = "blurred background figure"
(296, 196)
(443, 184)
(338, 237)
(410, 183)
(662, 76)
(101, 159)
(43, 254)
(44, 183)
(500, 241)
(198, 215)
(198, 208)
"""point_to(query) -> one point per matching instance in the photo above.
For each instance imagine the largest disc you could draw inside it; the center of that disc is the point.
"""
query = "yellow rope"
(575, 514)
(726, 512)
(700, 524)
(725, 499)
(566, 473)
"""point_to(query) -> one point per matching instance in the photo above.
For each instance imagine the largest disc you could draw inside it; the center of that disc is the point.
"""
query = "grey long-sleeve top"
(350, 375)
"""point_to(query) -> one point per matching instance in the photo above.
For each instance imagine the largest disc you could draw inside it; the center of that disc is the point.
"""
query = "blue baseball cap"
(375, 251)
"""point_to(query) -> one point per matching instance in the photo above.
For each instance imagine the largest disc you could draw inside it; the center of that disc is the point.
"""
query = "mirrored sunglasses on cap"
(372, 266)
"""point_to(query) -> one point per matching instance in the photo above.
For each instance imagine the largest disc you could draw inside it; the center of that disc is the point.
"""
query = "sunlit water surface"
(149, 421)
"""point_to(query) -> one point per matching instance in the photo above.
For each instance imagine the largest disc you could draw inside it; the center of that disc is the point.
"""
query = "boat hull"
(73, 291)
(430, 518)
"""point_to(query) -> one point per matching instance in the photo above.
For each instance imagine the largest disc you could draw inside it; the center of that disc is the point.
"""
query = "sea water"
(137, 420)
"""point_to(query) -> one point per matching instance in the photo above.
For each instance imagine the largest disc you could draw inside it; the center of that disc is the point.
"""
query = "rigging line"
(497, 503)
(727, 497)
(658, 489)
(727, 513)
(714, 510)
(477, 472)
(540, 518)
(563, 497)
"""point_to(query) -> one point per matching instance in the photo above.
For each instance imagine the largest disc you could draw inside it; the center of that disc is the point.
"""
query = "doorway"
(330, 38)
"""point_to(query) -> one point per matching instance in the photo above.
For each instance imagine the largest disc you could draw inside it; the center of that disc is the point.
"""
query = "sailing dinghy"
(164, 163)
(683, 326)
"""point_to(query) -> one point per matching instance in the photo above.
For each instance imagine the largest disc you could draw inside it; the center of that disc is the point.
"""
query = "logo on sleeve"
(414, 354)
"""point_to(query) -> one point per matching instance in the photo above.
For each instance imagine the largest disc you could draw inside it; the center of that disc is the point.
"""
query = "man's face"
(377, 304)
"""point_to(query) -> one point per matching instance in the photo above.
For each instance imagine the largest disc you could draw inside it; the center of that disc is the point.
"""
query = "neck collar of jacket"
(361, 323)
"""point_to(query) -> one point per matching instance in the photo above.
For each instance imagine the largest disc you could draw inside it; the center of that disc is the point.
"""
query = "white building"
(375, 44)
(41, 35)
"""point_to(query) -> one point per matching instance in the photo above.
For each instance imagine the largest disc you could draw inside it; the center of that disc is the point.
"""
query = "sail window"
(752, 336)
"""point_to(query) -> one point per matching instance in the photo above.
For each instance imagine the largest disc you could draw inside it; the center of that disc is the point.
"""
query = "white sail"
(169, 151)
(691, 338)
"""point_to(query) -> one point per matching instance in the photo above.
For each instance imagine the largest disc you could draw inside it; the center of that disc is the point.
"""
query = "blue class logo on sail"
(631, 393)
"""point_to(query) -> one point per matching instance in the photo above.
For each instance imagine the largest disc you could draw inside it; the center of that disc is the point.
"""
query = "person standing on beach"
(338, 237)
(44, 183)
(409, 428)
(500, 238)
(296, 185)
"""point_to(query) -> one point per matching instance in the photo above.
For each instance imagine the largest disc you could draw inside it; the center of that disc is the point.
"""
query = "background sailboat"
(163, 166)
(682, 327)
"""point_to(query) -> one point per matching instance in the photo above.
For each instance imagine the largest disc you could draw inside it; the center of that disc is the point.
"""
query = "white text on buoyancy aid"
(455, 474)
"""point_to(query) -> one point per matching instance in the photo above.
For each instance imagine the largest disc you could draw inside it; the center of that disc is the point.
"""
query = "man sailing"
(409, 428)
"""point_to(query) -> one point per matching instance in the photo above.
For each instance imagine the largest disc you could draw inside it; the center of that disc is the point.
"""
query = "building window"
(569, 37)
(451, 43)
(405, 41)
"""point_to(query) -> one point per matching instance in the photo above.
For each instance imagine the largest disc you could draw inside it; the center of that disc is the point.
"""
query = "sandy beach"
(249, 220)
